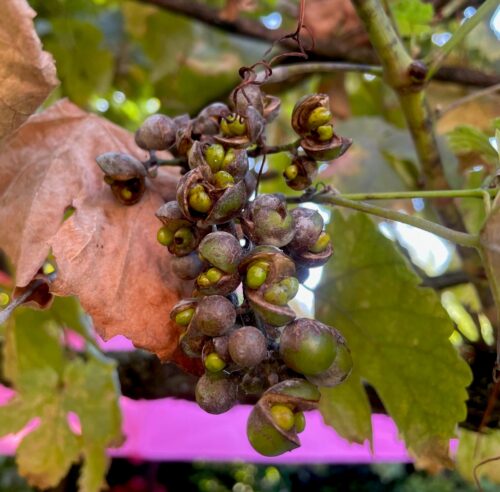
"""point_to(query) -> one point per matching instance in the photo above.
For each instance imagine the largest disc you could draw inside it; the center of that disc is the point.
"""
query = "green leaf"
(398, 334)
(68, 312)
(474, 448)
(32, 345)
(163, 37)
(14, 416)
(347, 409)
(94, 468)
(50, 383)
(413, 17)
(84, 65)
(45, 455)
(466, 139)
(92, 392)
(381, 158)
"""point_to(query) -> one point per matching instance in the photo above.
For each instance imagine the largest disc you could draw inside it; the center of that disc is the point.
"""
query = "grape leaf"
(398, 333)
(382, 157)
(106, 254)
(74, 42)
(45, 455)
(94, 469)
(27, 74)
(474, 448)
(466, 139)
(413, 17)
(91, 392)
(348, 399)
(49, 385)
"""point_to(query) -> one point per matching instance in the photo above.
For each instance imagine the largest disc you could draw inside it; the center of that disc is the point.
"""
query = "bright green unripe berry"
(196, 189)
(229, 158)
(233, 126)
(325, 132)
(308, 346)
(126, 193)
(238, 126)
(165, 236)
(321, 244)
(183, 236)
(318, 117)
(283, 417)
(200, 201)
(203, 281)
(48, 268)
(224, 127)
(214, 156)
(291, 172)
(277, 295)
(299, 422)
(4, 299)
(214, 363)
(223, 179)
(213, 275)
(256, 276)
(184, 317)
(291, 285)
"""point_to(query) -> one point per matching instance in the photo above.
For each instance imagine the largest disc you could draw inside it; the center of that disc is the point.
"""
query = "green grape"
(213, 275)
(4, 299)
(200, 201)
(214, 363)
(276, 294)
(325, 132)
(214, 156)
(165, 236)
(126, 193)
(321, 244)
(319, 116)
(223, 179)
(299, 422)
(291, 172)
(229, 158)
(48, 268)
(184, 317)
(256, 276)
(283, 417)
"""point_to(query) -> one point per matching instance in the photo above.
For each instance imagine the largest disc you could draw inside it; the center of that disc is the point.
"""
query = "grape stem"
(258, 151)
(397, 195)
(354, 202)
(274, 149)
(176, 161)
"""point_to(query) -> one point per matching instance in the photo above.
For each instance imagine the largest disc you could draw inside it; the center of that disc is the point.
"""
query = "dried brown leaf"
(27, 74)
(106, 253)
(339, 22)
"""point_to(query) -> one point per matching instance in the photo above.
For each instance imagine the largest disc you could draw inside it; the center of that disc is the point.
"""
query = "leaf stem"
(284, 72)
(464, 100)
(17, 301)
(176, 161)
(275, 149)
(436, 58)
(397, 195)
(330, 198)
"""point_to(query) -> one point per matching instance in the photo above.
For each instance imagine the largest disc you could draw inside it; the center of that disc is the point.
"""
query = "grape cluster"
(245, 254)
